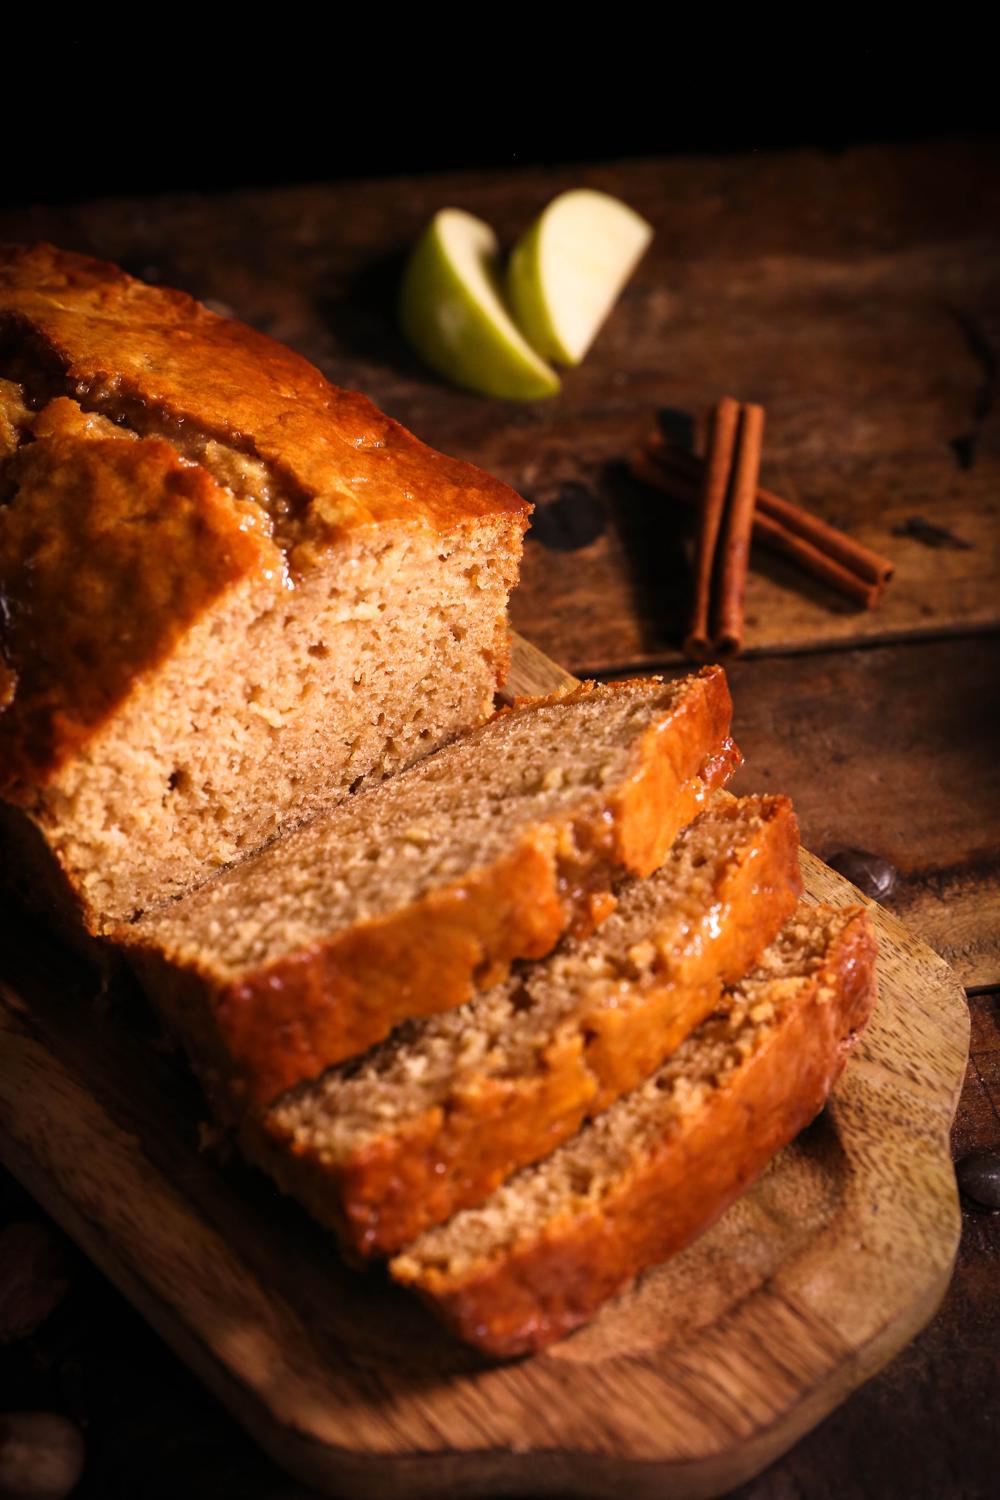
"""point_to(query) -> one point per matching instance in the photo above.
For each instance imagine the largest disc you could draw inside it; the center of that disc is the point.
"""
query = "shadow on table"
(361, 314)
(656, 540)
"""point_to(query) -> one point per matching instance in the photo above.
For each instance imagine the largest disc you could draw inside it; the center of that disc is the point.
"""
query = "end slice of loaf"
(416, 894)
(441, 1113)
(640, 1181)
(232, 593)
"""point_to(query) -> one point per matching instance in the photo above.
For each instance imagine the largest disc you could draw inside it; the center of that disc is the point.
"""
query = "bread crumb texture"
(233, 593)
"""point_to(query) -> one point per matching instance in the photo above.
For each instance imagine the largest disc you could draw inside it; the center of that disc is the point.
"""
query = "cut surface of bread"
(438, 1115)
(232, 592)
(421, 891)
(641, 1180)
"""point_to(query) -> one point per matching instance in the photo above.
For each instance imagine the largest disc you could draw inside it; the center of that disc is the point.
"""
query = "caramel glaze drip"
(271, 505)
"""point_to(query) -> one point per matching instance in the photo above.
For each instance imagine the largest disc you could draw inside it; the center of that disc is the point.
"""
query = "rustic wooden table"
(858, 297)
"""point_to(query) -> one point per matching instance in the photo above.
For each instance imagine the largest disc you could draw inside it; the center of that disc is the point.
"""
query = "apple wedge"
(452, 312)
(567, 272)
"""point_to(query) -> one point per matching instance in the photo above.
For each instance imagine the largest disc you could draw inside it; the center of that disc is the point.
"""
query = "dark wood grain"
(699, 1375)
(860, 297)
(857, 296)
(978, 1124)
(894, 750)
(926, 1426)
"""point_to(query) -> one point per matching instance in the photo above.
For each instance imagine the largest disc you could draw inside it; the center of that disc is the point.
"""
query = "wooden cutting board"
(688, 1384)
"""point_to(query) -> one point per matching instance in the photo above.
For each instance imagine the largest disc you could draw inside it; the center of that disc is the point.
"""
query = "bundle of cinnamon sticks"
(733, 510)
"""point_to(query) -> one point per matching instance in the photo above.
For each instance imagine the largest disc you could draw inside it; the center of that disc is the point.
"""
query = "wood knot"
(574, 519)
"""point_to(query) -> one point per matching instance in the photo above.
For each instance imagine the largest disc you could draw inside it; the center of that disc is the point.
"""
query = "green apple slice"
(568, 270)
(452, 312)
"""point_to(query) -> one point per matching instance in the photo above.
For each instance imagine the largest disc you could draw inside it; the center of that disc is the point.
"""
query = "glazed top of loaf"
(160, 362)
(153, 456)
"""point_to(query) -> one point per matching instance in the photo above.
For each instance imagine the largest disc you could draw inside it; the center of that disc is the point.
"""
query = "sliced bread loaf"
(417, 893)
(643, 1179)
(231, 592)
(437, 1116)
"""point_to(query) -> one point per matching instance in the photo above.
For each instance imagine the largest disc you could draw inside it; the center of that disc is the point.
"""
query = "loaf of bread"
(642, 1179)
(424, 889)
(250, 635)
(231, 592)
(442, 1112)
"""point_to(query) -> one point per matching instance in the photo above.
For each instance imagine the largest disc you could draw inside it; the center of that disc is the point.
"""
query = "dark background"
(209, 113)
(197, 118)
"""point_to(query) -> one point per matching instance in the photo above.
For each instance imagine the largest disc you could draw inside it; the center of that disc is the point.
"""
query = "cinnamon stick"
(766, 530)
(727, 629)
(715, 479)
(842, 561)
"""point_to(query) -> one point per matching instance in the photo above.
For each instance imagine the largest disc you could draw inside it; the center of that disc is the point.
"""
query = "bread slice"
(640, 1181)
(438, 1115)
(417, 893)
(231, 592)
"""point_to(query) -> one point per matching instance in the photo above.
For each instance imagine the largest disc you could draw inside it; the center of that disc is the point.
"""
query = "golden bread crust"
(162, 471)
(423, 1170)
(548, 1283)
(274, 1027)
(111, 336)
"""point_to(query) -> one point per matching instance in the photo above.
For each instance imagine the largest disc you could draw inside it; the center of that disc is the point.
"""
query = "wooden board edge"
(295, 1443)
(532, 673)
(420, 1476)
